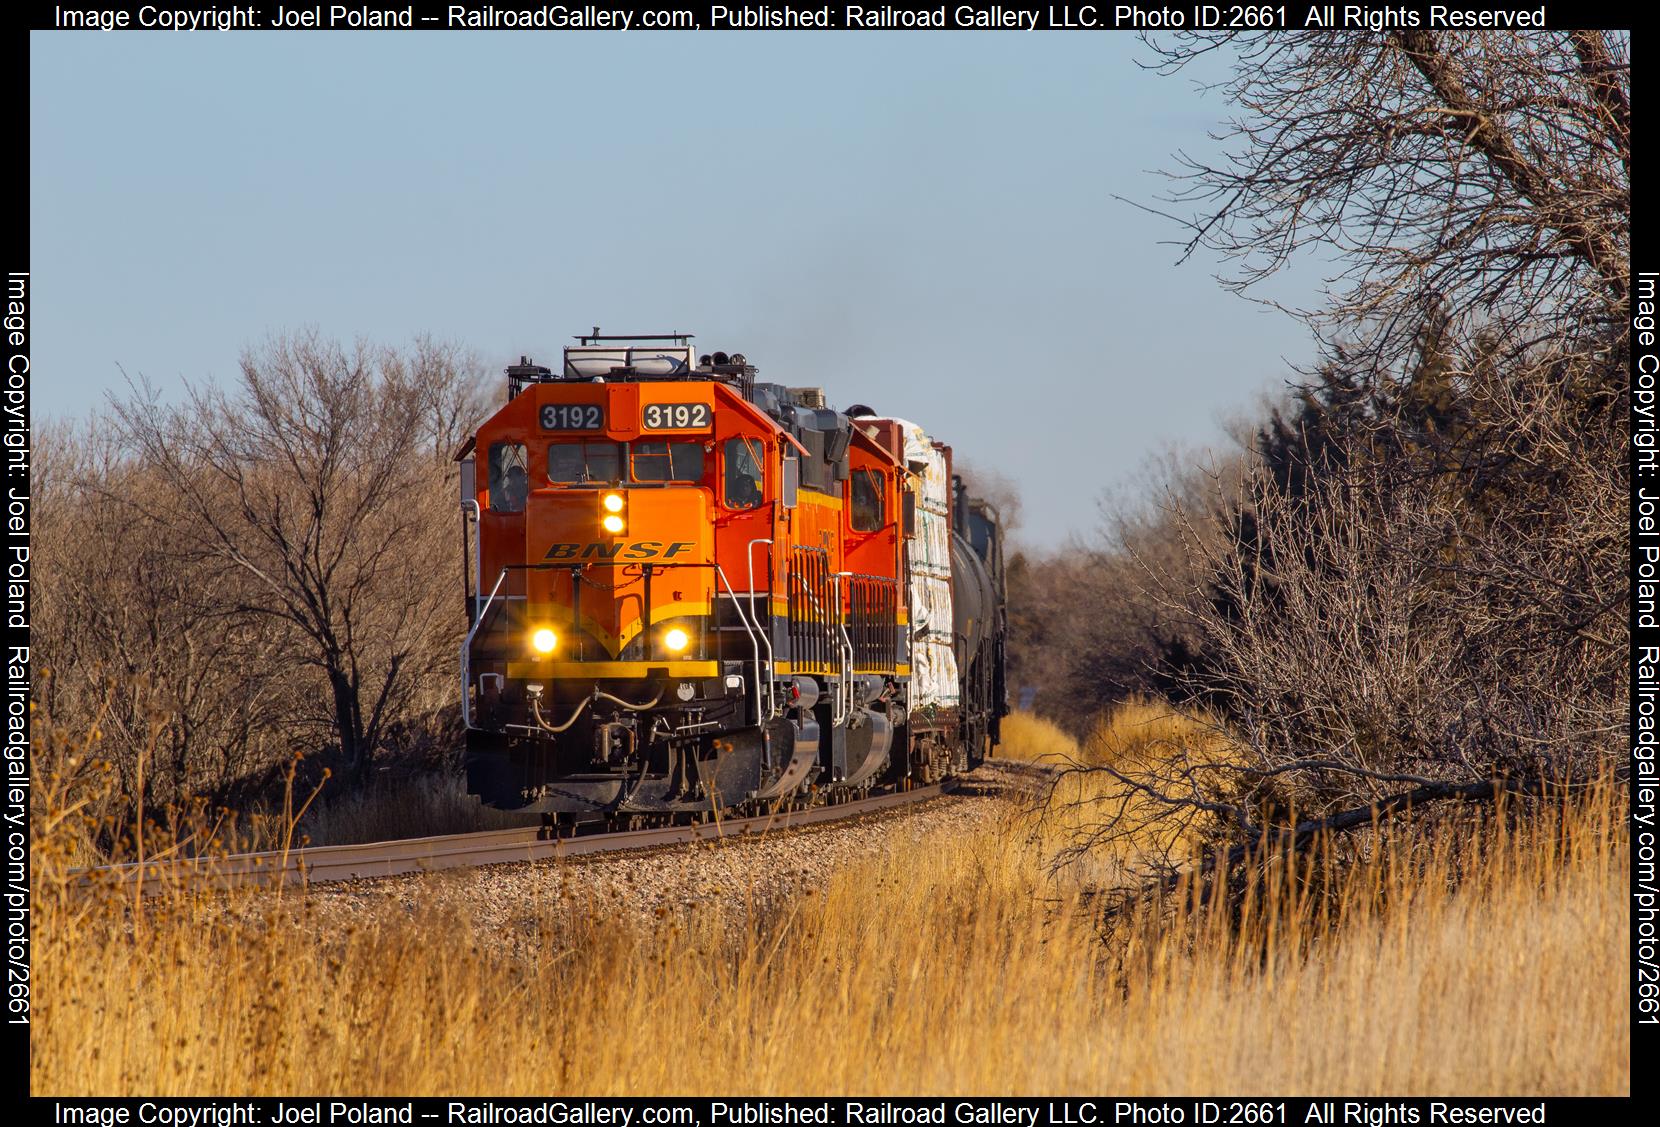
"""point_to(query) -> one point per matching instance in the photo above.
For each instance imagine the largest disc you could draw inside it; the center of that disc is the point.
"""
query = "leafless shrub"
(1377, 650)
(174, 682)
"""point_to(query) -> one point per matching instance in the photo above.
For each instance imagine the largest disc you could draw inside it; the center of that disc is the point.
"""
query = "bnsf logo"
(638, 550)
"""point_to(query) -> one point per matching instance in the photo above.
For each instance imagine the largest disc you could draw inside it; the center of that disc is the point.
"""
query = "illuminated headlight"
(676, 640)
(613, 502)
(612, 523)
(544, 640)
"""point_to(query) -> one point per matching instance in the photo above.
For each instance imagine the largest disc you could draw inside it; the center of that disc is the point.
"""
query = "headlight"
(544, 640)
(676, 640)
(613, 518)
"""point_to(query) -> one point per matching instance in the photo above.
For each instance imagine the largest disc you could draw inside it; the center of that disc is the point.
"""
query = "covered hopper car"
(689, 591)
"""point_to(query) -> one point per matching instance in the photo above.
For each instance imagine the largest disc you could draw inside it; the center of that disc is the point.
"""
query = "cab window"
(584, 461)
(741, 479)
(866, 514)
(508, 484)
(667, 461)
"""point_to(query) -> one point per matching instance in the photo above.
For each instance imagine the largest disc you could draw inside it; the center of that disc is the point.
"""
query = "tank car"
(691, 591)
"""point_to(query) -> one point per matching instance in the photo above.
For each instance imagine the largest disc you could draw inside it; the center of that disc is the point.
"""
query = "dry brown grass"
(1135, 733)
(1493, 962)
(1136, 729)
(417, 807)
(1144, 728)
(421, 806)
(1030, 737)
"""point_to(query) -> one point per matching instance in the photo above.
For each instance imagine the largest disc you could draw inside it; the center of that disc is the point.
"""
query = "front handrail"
(466, 655)
(761, 715)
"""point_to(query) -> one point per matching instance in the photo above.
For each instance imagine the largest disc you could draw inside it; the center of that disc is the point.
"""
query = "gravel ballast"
(745, 874)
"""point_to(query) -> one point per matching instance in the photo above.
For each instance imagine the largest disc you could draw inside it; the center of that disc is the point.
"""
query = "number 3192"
(676, 416)
(572, 416)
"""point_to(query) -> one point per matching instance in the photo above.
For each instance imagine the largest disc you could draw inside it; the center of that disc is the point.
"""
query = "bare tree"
(1422, 596)
(149, 667)
(1483, 174)
(310, 497)
(1372, 648)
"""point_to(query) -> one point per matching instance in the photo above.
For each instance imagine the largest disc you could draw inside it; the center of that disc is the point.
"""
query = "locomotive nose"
(612, 565)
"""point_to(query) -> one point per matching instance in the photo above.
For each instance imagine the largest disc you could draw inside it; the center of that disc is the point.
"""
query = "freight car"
(689, 591)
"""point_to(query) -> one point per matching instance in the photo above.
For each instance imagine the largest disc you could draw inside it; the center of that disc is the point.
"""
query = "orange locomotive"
(691, 591)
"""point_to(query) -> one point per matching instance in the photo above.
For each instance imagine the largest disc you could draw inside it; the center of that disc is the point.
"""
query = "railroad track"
(323, 864)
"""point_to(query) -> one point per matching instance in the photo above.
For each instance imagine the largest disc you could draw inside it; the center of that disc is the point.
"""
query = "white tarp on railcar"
(933, 656)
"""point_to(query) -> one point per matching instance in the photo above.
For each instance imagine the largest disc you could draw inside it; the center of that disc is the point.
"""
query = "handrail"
(846, 649)
(761, 717)
(466, 652)
(766, 634)
(478, 547)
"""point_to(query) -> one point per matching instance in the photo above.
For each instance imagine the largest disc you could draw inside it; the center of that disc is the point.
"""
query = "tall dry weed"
(1492, 962)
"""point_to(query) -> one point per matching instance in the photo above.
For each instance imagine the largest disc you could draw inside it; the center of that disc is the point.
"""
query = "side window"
(867, 514)
(668, 461)
(508, 485)
(741, 480)
(584, 461)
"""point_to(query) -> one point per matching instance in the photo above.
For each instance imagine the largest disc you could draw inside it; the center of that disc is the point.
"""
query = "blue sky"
(924, 222)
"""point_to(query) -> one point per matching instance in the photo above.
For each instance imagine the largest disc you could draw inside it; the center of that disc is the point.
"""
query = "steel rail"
(322, 864)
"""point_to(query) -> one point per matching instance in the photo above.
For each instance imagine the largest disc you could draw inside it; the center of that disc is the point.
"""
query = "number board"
(676, 416)
(572, 416)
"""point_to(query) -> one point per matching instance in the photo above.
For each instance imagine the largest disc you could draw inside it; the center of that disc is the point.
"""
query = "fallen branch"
(1290, 839)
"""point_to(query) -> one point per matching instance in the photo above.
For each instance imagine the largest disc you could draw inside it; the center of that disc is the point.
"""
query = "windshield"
(585, 461)
(667, 461)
